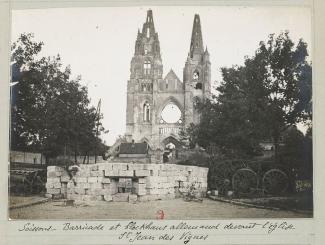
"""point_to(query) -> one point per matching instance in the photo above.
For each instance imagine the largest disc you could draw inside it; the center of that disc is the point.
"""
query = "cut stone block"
(59, 173)
(81, 180)
(105, 166)
(140, 173)
(96, 186)
(143, 198)
(92, 179)
(80, 191)
(49, 185)
(51, 174)
(109, 173)
(57, 196)
(53, 180)
(120, 166)
(121, 197)
(108, 198)
(84, 185)
(142, 180)
(106, 180)
(95, 173)
(48, 195)
(133, 198)
(65, 178)
(54, 191)
(93, 167)
(125, 173)
(54, 168)
(142, 193)
(57, 185)
(162, 173)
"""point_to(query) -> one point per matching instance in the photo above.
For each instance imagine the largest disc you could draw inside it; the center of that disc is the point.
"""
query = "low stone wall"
(125, 181)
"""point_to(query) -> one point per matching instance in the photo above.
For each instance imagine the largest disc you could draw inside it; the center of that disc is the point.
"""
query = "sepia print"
(102, 128)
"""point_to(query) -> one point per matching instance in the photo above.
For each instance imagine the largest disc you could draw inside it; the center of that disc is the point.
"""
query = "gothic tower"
(158, 108)
(196, 74)
(146, 70)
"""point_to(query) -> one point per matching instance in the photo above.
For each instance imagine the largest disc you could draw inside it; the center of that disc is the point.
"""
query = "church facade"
(159, 107)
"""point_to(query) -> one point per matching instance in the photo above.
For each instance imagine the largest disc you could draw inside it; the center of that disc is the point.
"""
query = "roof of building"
(133, 148)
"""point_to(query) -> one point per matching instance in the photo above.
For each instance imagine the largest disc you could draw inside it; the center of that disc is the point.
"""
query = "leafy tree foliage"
(259, 100)
(50, 111)
(297, 152)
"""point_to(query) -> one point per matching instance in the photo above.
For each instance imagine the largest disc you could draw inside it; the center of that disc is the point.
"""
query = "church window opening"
(146, 51)
(146, 112)
(196, 75)
(148, 32)
(171, 113)
(198, 86)
(166, 84)
(147, 67)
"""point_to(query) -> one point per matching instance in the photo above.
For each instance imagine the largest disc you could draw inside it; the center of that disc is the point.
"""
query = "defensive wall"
(125, 181)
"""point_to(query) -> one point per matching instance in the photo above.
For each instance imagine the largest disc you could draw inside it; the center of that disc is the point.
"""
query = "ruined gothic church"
(159, 107)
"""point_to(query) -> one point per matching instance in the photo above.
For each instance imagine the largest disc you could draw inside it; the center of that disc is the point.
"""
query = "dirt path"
(173, 209)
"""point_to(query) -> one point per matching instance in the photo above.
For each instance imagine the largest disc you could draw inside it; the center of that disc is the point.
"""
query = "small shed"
(131, 150)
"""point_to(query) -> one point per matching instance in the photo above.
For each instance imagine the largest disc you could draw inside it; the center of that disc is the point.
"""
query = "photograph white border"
(308, 231)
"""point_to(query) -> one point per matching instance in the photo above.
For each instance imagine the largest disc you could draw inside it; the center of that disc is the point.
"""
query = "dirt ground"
(173, 209)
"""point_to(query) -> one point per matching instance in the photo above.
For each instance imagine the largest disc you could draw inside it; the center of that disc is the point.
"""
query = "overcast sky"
(98, 43)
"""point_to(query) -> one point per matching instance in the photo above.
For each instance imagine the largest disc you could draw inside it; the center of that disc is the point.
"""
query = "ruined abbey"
(158, 106)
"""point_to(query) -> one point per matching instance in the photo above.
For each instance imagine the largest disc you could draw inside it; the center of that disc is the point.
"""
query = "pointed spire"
(148, 28)
(196, 40)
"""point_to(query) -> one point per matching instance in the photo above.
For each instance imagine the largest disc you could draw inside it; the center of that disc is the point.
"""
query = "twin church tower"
(159, 107)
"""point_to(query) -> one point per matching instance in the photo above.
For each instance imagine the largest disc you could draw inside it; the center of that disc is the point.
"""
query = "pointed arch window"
(146, 112)
(147, 67)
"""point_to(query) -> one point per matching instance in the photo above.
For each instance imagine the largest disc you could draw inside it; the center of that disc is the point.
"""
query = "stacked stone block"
(125, 181)
(57, 182)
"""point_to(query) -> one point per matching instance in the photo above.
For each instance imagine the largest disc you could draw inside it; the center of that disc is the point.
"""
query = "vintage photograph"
(163, 112)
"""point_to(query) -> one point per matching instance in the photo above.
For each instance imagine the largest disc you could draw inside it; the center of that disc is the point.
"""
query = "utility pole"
(97, 118)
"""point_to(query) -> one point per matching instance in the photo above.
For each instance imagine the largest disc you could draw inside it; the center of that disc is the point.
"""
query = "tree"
(259, 100)
(51, 112)
(282, 73)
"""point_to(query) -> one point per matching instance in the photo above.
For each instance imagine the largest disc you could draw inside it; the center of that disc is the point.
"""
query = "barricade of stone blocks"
(101, 181)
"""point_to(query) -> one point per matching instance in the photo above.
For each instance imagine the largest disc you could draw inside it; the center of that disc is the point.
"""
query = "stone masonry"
(150, 93)
(125, 182)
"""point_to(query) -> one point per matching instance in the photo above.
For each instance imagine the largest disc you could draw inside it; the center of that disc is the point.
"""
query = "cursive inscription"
(36, 228)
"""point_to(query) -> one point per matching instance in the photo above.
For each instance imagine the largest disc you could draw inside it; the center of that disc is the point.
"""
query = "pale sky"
(98, 43)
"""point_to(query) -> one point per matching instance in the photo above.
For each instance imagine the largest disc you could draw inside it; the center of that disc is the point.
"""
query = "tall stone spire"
(196, 40)
(147, 42)
(148, 28)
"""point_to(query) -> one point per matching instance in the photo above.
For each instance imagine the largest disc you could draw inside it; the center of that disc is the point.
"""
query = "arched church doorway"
(171, 146)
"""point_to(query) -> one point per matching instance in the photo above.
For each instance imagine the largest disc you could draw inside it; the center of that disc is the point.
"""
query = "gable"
(171, 82)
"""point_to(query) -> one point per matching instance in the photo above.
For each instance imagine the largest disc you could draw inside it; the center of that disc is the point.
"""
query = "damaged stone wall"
(125, 181)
